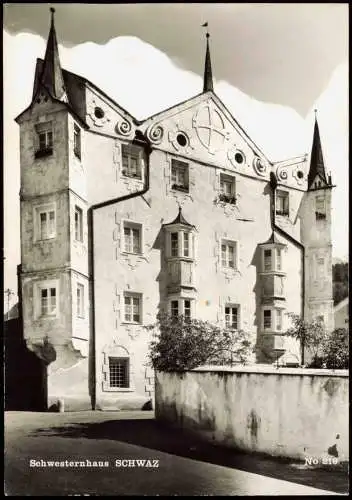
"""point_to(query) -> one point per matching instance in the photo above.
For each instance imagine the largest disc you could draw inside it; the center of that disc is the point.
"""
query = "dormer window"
(282, 203)
(132, 156)
(179, 175)
(44, 140)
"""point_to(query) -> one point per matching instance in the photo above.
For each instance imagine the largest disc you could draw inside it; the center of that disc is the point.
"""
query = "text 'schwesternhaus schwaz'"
(181, 212)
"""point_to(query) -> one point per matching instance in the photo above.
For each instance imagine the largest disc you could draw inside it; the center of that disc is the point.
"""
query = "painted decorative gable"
(202, 129)
(106, 117)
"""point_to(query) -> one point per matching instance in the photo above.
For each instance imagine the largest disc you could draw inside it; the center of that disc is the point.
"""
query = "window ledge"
(182, 189)
(130, 323)
(268, 273)
(117, 389)
(44, 239)
(127, 254)
(41, 153)
(135, 177)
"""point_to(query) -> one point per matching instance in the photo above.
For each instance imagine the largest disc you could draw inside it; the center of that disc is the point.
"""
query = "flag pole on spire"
(208, 74)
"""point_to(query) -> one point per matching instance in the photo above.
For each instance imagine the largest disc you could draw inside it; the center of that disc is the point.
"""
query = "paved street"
(185, 466)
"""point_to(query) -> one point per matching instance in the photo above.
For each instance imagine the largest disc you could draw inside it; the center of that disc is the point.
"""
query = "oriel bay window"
(272, 259)
(181, 307)
(180, 244)
(273, 319)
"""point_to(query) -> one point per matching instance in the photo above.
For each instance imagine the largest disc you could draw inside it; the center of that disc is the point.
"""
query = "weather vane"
(205, 25)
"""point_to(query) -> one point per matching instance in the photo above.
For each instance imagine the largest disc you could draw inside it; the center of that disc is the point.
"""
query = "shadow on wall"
(154, 435)
(25, 373)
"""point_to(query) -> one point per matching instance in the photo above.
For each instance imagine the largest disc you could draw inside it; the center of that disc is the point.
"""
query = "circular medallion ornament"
(97, 113)
(210, 128)
(299, 174)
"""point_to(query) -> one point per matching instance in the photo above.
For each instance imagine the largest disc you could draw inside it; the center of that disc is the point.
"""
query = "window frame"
(80, 302)
(46, 208)
(132, 151)
(132, 225)
(232, 306)
(277, 319)
(225, 178)
(179, 244)
(38, 287)
(47, 130)
(285, 196)
(77, 143)
(133, 296)
(176, 167)
(181, 307)
(229, 243)
(79, 222)
(276, 261)
(127, 369)
(320, 213)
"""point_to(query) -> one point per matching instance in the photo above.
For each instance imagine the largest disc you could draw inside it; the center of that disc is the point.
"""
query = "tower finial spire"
(51, 77)
(208, 74)
(317, 166)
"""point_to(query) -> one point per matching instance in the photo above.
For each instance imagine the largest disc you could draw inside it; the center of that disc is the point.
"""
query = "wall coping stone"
(272, 370)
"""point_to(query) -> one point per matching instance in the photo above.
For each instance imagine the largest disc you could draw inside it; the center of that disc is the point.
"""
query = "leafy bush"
(336, 349)
(181, 344)
(310, 334)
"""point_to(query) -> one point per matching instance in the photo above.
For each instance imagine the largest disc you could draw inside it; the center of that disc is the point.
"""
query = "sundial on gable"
(210, 128)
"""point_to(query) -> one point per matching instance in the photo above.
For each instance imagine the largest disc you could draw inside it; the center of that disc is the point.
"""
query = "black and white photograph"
(176, 258)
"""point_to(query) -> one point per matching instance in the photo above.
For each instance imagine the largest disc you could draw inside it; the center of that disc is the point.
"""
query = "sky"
(273, 64)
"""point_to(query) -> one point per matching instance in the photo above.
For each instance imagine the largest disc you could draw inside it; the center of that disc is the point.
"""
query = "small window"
(46, 223)
(132, 161)
(320, 211)
(78, 224)
(282, 203)
(119, 372)
(77, 141)
(267, 319)
(48, 301)
(232, 316)
(174, 244)
(132, 238)
(179, 175)
(267, 259)
(227, 188)
(44, 139)
(228, 254)
(80, 300)
(133, 308)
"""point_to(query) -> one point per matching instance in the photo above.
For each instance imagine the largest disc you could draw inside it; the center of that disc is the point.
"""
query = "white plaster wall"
(282, 412)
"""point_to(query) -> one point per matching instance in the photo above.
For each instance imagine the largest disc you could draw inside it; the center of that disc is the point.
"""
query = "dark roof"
(51, 76)
(273, 241)
(179, 220)
(317, 166)
(208, 74)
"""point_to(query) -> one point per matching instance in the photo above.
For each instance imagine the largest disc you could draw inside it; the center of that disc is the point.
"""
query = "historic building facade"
(180, 212)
